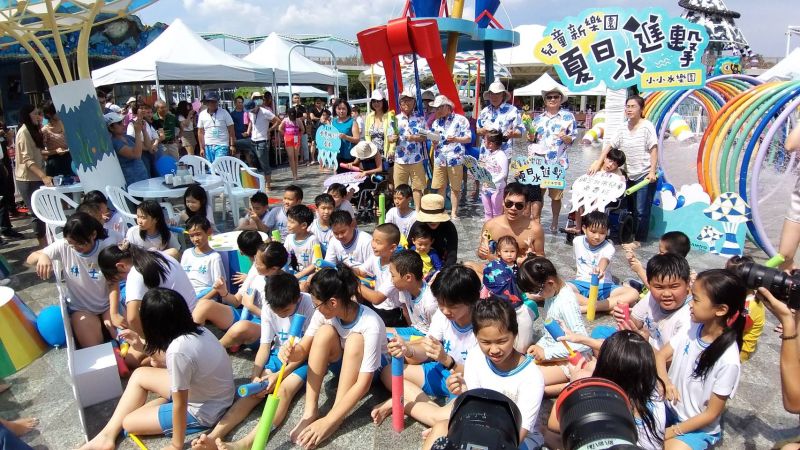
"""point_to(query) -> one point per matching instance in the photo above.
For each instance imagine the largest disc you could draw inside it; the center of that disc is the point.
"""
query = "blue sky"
(763, 22)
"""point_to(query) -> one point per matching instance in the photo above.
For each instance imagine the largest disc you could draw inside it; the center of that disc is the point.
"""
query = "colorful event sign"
(536, 170)
(625, 47)
(478, 171)
(328, 144)
(595, 192)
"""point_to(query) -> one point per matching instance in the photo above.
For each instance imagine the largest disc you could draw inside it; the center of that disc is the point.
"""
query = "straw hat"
(255, 95)
(496, 88)
(364, 150)
(432, 209)
(557, 89)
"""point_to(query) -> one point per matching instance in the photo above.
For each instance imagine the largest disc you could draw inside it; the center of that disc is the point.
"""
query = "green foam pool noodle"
(265, 424)
(775, 261)
(381, 209)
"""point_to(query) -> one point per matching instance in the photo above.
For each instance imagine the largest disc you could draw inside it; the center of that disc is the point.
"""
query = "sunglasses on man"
(519, 206)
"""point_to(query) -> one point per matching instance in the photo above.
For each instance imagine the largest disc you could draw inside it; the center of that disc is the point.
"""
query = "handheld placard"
(271, 406)
(594, 290)
(276, 235)
(381, 209)
(556, 332)
(640, 185)
(246, 390)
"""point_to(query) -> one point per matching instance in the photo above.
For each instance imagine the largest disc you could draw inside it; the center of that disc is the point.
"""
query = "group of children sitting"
(367, 297)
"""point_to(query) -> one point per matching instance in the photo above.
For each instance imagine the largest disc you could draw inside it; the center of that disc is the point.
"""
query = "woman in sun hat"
(445, 236)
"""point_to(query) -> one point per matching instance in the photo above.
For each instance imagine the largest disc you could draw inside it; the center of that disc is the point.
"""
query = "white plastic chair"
(230, 169)
(120, 198)
(48, 206)
(201, 166)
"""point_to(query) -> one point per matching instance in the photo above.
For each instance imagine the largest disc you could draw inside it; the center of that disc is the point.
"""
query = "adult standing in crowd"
(445, 236)
(239, 125)
(29, 172)
(379, 127)
(302, 114)
(427, 111)
(169, 124)
(186, 119)
(408, 158)
(639, 142)
(129, 149)
(260, 121)
(215, 130)
(551, 134)
(452, 133)
(150, 137)
(314, 118)
(7, 205)
(56, 149)
(128, 111)
(358, 118)
(500, 116)
(348, 130)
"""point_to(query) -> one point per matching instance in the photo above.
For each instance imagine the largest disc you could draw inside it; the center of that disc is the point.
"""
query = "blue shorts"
(215, 151)
(408, 332)
(435, 379)
(165, 420)
(237, 313)
(696, 440)
(274, 366)
(603, 331)
(604, 290)
(202, 293)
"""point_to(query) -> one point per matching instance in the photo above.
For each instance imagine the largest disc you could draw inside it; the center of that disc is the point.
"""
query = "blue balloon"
(51, 326)
(681, 201)
(166, 164)
(668, 187)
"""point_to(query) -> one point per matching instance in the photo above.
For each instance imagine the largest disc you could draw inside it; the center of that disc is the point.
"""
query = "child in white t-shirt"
(664, 312)
(593, 253)
(152, 230)
(84, 238)
(705, 368)
(341, 198)
(95, 210)
(384, 298)
(415, 294)
(349, 245)
(328, 339)
(256, 216)
(277, 217)
(321, 227)
(299, 242)
(442, 352)
(196, 386)
(283, 301)
(112, 220)
(202, 264)
(402, 214)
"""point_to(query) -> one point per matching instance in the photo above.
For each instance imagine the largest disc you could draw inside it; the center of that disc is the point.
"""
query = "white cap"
(442, 100)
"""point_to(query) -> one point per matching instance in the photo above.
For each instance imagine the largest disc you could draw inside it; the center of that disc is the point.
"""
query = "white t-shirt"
(260, 121)
(116, 223)
(200, 364)
(524, 385)
(215, 125)
(202, 269)
(588, 257)
(153, 242)
(563, 307)
(659, 410)
(275, 329)
(636, 145)
(383, 283)
(152, 133)
(422, 308)
(323, 235)
(662, 325)
(85, 282)
(176, 279)
(368, 324)
(404, 223)
(276, 220)
(456, 341)
(722, 379)
(347, 206)
(353, 255)
(303, 250)
(189, 126)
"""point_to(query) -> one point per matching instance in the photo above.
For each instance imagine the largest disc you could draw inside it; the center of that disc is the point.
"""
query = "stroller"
(365, 201)
(622, 221)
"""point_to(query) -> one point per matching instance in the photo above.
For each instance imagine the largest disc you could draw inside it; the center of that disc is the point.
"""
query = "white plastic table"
(74, 190)
(155, 187)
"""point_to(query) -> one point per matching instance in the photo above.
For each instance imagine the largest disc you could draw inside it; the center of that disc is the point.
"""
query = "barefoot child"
(432, 359)
(538, 277)
(415, 294)
(321, 227)
(284, 300)
(270, 260)
(299, 242)
(384, 298)
(402, 214)
(342, 335)
(705, 368)
(84, 238)
(593, 253)
(194, 390)
(202, 264)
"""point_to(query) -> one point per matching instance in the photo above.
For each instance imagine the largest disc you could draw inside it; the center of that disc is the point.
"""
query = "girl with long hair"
(151, 230)
(29, 162)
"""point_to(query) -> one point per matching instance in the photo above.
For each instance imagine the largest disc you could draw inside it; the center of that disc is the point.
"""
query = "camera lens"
(484, 419)
(783, 286)
(594, 413)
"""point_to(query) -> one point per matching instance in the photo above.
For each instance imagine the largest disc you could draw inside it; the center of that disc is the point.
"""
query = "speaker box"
(32, 79)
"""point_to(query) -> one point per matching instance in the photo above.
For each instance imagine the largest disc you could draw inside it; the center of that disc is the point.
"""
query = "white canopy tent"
(304, 91)
(547, 82)
(179, 55)
(277, 53)
(786, 70)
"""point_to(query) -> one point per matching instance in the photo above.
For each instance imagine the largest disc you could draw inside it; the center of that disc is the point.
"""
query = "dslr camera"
(785, 287)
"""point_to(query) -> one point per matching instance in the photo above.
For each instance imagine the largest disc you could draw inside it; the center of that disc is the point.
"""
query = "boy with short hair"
(256, 214)
(349, 245)
(321, 227)
(420, 237)
(665, 311)
(415, 293)
(112, 220)
(341, 198)
(248, 242)
(402, 214)
(202, 264)
(96, 210)
(276, 218)
(593, 253)
(283, 301)
(384, 298)
(675, 242)
(299, 242)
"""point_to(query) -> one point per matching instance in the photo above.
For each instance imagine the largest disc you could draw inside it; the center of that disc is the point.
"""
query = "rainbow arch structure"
(745, 115)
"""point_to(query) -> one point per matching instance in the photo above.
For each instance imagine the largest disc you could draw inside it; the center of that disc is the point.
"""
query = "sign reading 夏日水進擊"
(536, 170)
(625, 47)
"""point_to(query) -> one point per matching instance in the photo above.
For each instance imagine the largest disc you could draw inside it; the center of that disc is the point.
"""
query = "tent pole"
(158, 85)
(333, 61)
